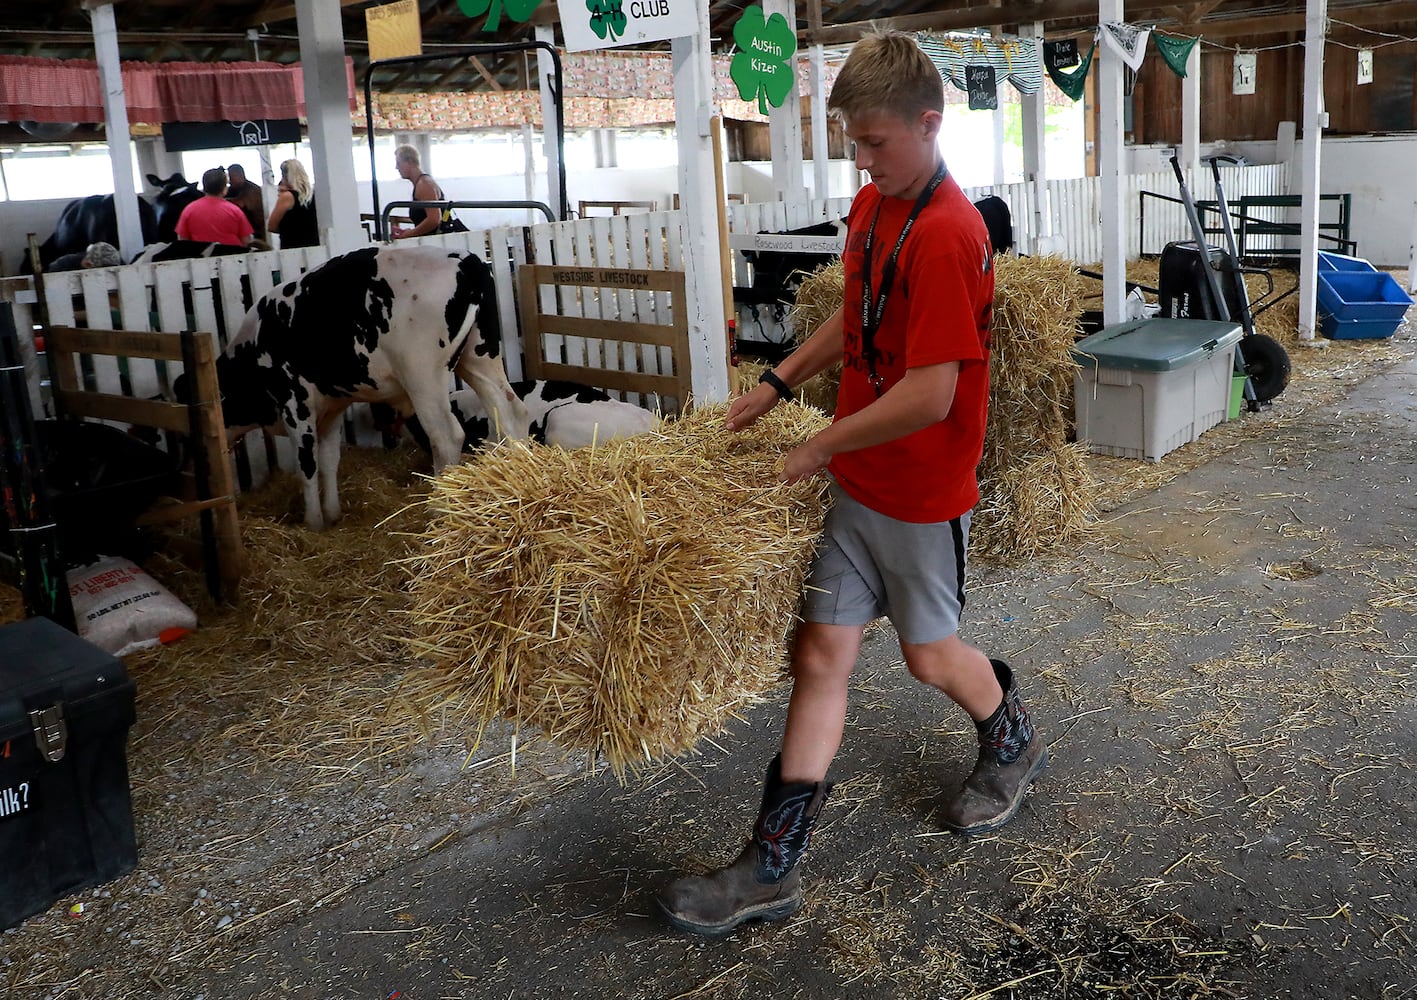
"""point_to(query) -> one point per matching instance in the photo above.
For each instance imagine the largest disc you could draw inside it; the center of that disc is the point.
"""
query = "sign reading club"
(603, 24)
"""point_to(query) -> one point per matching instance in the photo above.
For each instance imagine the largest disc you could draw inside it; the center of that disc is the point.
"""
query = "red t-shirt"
(938, 310)
(212, 219)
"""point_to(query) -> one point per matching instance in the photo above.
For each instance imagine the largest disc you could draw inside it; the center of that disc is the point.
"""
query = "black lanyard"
(873, 308)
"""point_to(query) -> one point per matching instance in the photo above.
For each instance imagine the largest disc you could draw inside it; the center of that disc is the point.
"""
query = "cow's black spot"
(251, 393)
(325, 324)
(476, 291)
(537, 430)
(306, 454)
(478, 430)
(554, 389)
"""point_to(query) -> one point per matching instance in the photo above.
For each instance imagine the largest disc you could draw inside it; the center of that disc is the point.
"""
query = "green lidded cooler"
(1148, 386)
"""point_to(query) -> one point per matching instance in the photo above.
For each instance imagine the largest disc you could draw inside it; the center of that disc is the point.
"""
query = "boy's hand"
(747, 408)
(804, 461)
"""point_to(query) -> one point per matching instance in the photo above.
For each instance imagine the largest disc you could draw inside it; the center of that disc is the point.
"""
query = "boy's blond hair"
(887, 71)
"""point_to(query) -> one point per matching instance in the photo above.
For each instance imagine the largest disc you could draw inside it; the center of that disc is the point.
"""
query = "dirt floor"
(1224, 667)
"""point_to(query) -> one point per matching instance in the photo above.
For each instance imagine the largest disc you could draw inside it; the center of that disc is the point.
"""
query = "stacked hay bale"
(1036, 489)
(818, 297)
(624, 600)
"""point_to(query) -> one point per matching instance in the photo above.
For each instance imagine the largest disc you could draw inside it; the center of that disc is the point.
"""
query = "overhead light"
(48, 130)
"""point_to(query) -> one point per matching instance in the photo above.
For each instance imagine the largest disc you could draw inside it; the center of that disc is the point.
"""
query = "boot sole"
(777, 910)
(989, 826)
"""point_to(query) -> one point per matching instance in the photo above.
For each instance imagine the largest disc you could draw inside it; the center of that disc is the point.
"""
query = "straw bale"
(624, 600)
(819, 296)
(1036, 490)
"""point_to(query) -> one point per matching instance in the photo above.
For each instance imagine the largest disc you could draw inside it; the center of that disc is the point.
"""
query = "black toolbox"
(66, 817)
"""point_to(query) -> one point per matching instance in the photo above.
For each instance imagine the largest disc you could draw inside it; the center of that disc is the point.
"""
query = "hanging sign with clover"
(602, 24)
(762, 66)
(518, 10)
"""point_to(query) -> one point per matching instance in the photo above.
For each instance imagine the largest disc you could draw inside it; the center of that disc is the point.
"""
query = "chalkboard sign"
(983, 91)
(1061, 54)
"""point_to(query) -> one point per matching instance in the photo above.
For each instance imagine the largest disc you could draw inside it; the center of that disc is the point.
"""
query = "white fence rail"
(213, 294)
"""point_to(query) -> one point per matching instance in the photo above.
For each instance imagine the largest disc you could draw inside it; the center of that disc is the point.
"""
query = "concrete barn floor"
(1226, 672)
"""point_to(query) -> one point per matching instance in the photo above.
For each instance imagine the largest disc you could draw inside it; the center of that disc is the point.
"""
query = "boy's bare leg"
(960, 671)
(822, 659)
(1011, 750)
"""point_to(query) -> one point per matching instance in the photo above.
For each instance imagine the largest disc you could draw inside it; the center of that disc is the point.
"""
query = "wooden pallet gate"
(636, 342)
(208, 490)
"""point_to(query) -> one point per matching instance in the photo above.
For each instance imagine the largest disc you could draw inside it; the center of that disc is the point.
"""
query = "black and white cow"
(376, 325)
(88, 220)
(94, 219)
(564, 414)
(155, 253)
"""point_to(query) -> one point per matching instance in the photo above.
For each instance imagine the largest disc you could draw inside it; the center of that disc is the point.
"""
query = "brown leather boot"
(764, 882)
(1012, 752)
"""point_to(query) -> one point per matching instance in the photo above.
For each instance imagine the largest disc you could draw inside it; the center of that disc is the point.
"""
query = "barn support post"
(529, 169)
(331, 131)
(817, 100)
(545, 81)
(704, 277)
(153, 158)
(1315, 118)
(1001, 116)
(1412, 264)
(115, 116)
(1109, 167)
(821, 141)
(785, 123)
(1191, 112)
(1035, 160)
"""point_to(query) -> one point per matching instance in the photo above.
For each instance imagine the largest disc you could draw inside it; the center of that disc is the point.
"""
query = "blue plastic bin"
(1339, 262)
(1361, 295)
(1357, 329)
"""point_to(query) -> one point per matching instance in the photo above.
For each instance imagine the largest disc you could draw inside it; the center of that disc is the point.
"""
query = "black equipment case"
(66, 818)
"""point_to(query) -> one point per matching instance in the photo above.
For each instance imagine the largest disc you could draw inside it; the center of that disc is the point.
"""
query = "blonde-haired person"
(293, 215)
(425, 188)
(913, 337)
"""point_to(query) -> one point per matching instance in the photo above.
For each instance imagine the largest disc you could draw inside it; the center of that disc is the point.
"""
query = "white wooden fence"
(212, 294)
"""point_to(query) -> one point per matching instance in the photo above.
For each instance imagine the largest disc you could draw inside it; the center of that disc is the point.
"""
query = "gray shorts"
(869, 565)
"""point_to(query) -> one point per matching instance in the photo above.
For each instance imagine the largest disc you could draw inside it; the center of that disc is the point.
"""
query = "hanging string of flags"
(979, 64)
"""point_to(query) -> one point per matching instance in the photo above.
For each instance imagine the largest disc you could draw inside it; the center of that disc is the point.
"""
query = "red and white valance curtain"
(67, 90)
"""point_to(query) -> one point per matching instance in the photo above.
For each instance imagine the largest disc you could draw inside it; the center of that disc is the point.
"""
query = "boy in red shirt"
(213, 219)
(913, 336)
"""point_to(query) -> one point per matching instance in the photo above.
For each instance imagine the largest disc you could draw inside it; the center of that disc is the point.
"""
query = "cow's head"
(246, 402)
(173, 195)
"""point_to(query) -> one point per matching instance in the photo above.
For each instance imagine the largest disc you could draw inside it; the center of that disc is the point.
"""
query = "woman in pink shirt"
(213, 219)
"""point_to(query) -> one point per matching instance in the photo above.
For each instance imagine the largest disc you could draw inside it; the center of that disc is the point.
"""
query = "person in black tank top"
(425, 188)
(293, 216)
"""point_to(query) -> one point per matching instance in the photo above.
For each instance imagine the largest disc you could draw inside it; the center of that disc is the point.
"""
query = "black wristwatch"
(783, 389)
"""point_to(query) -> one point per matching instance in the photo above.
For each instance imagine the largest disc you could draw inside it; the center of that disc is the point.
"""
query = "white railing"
(213, 294)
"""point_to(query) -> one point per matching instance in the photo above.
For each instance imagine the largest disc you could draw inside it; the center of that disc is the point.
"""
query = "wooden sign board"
(394, 30)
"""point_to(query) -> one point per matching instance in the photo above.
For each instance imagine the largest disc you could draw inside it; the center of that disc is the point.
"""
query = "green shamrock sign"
(518, 10)
(606, 17)
(760, 66)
